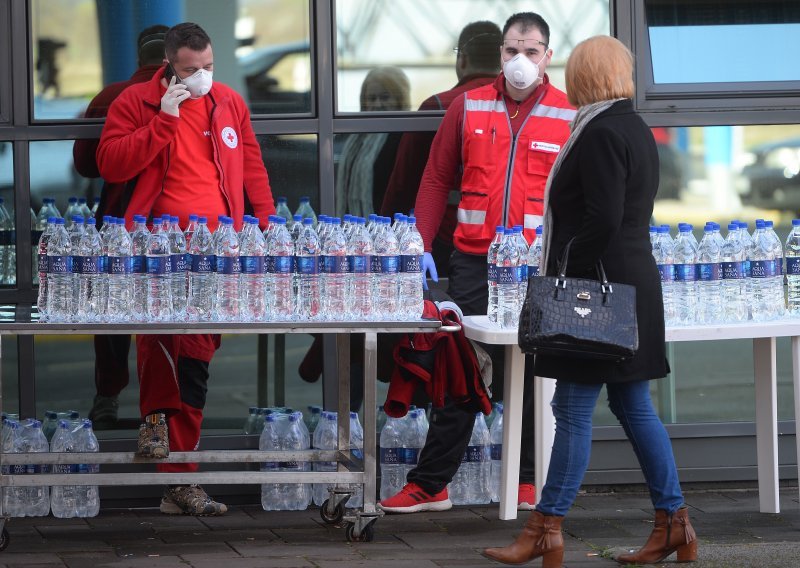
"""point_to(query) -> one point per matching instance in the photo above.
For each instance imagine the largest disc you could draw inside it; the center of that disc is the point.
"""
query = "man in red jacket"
(499, 141)
(189, 145)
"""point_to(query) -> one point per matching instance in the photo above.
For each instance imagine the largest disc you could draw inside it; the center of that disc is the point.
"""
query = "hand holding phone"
(175, 95)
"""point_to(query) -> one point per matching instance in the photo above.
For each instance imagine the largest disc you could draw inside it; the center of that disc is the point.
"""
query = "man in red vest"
(499, 142)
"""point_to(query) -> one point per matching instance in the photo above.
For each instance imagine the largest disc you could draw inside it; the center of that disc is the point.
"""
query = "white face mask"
(199, 83)
(520, 71)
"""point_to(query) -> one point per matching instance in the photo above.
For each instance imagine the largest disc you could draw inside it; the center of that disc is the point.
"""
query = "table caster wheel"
(367, 534)
(5, 538)
(335, 518)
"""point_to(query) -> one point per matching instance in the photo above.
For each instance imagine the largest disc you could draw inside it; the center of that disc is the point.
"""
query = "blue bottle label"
(792, 266)
(708, 271)
(497, 452)
(667, 272)
(375, 264)
(289, 465)
(282, 264)
(533, 271)
(391, 456)
(410, 456)
(252, 264)
(733, 270)
(507, 275)
(522, 273)
(139, 264)
(762, 268)
(203, 263)
(389, 264)
(307, 264)
(270, 466)
(228, 265)
(178, 262)
(59, 264)
(359, 264)
(411, 263)
(90, 265)
(159, 265)
(334, 264)
(685, 273)
(492, 273)
(778, 266)
(473, 454)
(41, 260)
(747, 269)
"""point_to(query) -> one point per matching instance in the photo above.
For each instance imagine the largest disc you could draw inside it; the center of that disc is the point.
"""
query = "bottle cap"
(203, 220)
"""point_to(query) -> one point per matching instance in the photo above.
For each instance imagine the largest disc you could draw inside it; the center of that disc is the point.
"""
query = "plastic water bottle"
(508, 281)
(416, 432)
(282, 209)
(271, 498)
(88, 495)
(522, 268)
(385, 265)
(653, 234)
(280, 261)
(684, 288)
(59, 275)
(89, 272)
(307, 253)
(200, 301)
(663, 253)
(64, 498)
(191, 227)
(139, 237)
(793, 269)
(357, 448)
(491, 276)
(393, 473)
(312, 418)
(296, 227)
(95, 206)
(762, 271)
(253, 278)
(734, 288)
(496, 441)
(177, 251)
(305, 211)
(470, 485)
(335, 270)
(325, 438)
(410, 279)
(360, 278)
(228, 270)
(159, 272)
(296, 496)
(83, 208)
(33, 441)
(14, 498)
(71, 211)
(535, 254)
(44, 240)
(119, 249)
(778, 301)
(709, 278)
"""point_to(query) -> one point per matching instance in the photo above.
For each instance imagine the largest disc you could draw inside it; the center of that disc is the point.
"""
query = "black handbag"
(577, 317)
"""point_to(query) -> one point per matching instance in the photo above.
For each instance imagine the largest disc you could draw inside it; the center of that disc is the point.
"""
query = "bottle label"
(59, 264)
(290, 465)
(522, 273)
(159, 265)
(203, 263)
(375, 264)
(492, 273)
(270, 466)
(685, 273)
(708, 271)
(778, 266)
(282, 264)
(119, 264)
(733, 270)
(411, 263)
(391, 456)
(139, 264)
(252, 264)
(307, 264)
(497, 452)
(508, 275)
(410, 456)
(792, 266)
(89, 265)
(389, 264)
(359, 264)
(667, 272)
(334, 264)
(18, 469)
(228, 265)
(762, 268)
(42, 262)
(31, 469)
(65, 468)
(473, 454)
(104, 264)
(534, 271)
(179, 262)
(748, 272)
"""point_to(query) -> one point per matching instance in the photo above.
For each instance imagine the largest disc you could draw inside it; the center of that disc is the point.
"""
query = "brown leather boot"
(541, 536)
(671, 533)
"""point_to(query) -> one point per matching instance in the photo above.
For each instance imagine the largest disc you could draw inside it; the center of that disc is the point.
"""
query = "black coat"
(603, 196)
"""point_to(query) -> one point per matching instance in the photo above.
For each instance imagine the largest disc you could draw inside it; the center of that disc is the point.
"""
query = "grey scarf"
(584, 115)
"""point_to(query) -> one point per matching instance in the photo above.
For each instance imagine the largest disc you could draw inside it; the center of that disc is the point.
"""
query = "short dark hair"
(186, 34)
(528, 20)
(150, 44)
(479, 42)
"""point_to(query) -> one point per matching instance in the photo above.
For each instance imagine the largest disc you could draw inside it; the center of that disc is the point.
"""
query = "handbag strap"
(561, 279)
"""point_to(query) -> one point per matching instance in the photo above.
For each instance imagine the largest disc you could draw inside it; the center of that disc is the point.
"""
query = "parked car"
(772, 176)
(264, 91)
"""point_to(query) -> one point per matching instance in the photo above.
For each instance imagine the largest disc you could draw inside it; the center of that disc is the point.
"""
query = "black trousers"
(450, 427)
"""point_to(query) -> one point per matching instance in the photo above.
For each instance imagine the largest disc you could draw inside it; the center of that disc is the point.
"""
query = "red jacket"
(136, 140)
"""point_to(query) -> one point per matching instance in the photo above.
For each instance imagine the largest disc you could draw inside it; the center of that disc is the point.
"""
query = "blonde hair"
(599, 69)
(394, 81)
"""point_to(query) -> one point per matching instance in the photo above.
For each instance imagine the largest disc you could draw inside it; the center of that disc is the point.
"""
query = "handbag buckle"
(606, 288)
(561, 283)
(584, 296)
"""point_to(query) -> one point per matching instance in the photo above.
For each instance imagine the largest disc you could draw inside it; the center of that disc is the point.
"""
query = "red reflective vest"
(504, 176)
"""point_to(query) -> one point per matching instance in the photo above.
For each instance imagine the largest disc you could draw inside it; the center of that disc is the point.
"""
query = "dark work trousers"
(111, 364)
(450, 427)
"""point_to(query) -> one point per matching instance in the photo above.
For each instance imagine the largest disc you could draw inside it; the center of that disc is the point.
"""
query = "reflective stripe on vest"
(471, 216)
(553, 112)
(533, 221)
(492, 105)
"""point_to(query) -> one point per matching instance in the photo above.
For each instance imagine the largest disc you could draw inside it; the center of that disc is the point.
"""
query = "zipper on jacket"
(164, 178)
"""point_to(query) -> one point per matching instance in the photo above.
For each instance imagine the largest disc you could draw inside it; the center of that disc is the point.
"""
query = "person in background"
(188, 143)
(111, 351)
(501, 138)
(600, 198)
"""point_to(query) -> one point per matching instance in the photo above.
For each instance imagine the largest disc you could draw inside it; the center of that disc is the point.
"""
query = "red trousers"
(173, 376)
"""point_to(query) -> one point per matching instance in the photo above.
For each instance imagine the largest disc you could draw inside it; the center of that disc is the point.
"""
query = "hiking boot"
(413, 499)
(526, 497)
(104, 412)
(153, 437)
(190, 500)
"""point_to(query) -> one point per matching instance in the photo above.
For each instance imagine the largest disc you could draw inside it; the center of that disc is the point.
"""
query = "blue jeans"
(573, 405)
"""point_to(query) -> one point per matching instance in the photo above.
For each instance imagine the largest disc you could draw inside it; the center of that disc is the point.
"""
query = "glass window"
(8, 257)
(411, 47)
(292, 166)
(711, 42)
(261, 49)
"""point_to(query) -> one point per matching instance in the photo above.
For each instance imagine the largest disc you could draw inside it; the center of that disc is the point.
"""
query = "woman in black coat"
(601, 192)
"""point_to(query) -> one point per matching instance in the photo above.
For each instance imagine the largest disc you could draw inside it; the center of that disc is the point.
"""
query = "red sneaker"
(526, 497)
(413, 498)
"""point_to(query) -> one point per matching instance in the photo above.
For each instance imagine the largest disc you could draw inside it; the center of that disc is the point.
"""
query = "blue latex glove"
(428, 267)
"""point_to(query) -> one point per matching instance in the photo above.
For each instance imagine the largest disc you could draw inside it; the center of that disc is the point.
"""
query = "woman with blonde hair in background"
(600, 193)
